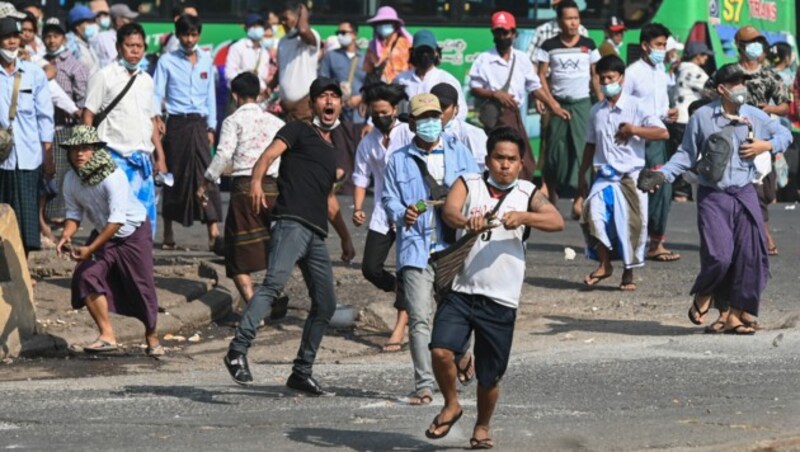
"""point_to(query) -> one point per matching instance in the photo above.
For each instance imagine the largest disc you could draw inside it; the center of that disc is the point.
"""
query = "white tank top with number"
(495, 267)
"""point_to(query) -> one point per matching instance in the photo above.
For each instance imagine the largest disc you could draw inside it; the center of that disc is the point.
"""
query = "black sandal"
(485, 443)
(437, 423)
(463, 372)
(700, 314)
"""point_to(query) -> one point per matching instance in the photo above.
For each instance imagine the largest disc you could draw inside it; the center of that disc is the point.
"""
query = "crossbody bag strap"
(12, 111)
(510, 73)
(434, 187)
(500, 200)
(353, 67)
(100, 117)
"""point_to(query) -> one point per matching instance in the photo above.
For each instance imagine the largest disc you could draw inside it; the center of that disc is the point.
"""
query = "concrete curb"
(211, 306)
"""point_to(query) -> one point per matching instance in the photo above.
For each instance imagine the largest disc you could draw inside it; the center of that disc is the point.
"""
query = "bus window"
(532, 12)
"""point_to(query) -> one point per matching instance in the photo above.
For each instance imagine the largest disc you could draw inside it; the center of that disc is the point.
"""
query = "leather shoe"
(308, 385)
(238, 368)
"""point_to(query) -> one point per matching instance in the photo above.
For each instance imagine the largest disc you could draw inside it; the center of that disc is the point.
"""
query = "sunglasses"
(343, 32)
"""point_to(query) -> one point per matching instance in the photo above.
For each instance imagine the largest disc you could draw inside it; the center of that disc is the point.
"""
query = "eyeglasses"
(343, 32)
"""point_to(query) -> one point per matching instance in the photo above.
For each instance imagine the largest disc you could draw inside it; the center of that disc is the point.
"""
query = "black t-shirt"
(306, 176)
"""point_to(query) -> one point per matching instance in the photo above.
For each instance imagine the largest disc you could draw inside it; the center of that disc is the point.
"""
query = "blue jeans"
(292, 243)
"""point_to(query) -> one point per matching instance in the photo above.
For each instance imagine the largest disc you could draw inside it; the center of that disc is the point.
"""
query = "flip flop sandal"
(700, 314)
(629, 286)
(773, 251)
(464, 376)
(592, 276)
(156, 351)
(669, 256)
(103, 347)
(712, 329)
(737, 330)
(169, 246)
(485, 443)
(423, 399)
(388, 347)
(437, 424)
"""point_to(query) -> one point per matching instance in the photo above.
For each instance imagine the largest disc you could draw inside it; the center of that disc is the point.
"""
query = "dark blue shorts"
(458, 315)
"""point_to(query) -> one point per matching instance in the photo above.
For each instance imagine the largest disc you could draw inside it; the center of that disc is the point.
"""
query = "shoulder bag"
(7, 134)
(490, 110)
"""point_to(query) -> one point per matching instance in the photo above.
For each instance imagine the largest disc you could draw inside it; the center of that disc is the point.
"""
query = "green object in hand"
(421, 206)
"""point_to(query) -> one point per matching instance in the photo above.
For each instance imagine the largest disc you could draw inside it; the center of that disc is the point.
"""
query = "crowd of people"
(88, 133)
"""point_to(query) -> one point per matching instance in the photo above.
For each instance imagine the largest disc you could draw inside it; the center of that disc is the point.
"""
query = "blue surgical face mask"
(91, 31)
(105, 23)
(500, 186)
(753, 50)
(611, 90)
(127, 65)
(255, 33)
(384, 30)
(267, 43)
(657, 56)
(429, 130)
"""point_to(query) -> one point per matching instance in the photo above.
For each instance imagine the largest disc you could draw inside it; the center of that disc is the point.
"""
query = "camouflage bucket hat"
(81, 135)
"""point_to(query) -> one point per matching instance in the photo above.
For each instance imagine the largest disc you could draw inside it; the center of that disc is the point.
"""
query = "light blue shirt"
(33, 124)
(604, 123)
(186, 88)
(404, 185)
(708, 120)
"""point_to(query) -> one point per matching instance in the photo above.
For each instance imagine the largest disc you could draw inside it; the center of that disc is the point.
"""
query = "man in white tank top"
(485, 293)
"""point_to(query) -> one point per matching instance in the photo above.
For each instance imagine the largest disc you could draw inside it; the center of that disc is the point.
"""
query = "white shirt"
(38, 54)
(490, 71)
(297, 66)
(60, 98)
(648, 85)
(245, 135)
(691, 79)
(604, 122)
(128, 128)
(495, 266)
(546, 31)
(415, 85)
(172, 44)
(474, 138)
(570, 67)
(105, 46)
(371, 159)
(83, 52)
(246, 56)
(110, 202)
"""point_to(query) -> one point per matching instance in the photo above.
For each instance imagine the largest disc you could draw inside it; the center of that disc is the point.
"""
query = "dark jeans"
(292, 243)
(376, 249)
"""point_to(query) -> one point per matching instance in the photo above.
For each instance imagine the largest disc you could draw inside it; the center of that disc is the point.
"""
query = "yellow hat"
(423, 103)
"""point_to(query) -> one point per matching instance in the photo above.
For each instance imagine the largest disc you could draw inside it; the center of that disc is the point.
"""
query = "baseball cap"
(99, 6)
(123, 10)
(79, 14)
(446, 94)
(673, 44)
(615, 24)
(322, 84)
(253, 19)
(425, 38)
(8, 26)
(730, 73)
(747, 33)
(8, 10)
(423, 103)
(695, 48)
(504, 20)
(53, 24)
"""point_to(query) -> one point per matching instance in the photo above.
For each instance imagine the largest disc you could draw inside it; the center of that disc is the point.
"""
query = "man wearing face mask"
(106, 43)
(129, 128)
(298, 61)
(306, 204)
(646, 80)
(387, 136)
(247, 54)
(73, 78)
(411, 199)
(503, 77)
(345, 65)
(426, 57)
(734, 266)
(83, 30)
(615, 149)
(455, 129)
(184, 79)
(30, 157)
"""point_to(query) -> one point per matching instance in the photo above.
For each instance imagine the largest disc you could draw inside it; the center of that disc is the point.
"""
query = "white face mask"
(9, 55)
(318, 122)
(189, 51)
(345, 40)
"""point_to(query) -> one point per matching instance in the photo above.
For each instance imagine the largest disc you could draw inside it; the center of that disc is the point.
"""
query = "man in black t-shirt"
(305, 204)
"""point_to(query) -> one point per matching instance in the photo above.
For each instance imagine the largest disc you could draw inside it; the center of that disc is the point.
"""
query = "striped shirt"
(73, 78)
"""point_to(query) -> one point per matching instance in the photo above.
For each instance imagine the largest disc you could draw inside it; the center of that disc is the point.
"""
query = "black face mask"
(503, 44)
(424, 60)
(383, 123)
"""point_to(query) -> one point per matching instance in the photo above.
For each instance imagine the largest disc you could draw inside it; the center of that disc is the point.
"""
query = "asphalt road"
(591, 370)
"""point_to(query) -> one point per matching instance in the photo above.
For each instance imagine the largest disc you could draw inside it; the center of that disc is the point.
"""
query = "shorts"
(458, 315)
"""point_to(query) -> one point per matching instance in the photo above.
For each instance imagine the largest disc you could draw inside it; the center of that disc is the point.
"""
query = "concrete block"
(17, 313)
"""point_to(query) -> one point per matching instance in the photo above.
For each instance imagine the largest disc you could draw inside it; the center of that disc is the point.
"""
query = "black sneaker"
(280, 307)
(238, 368)
(307, 385)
